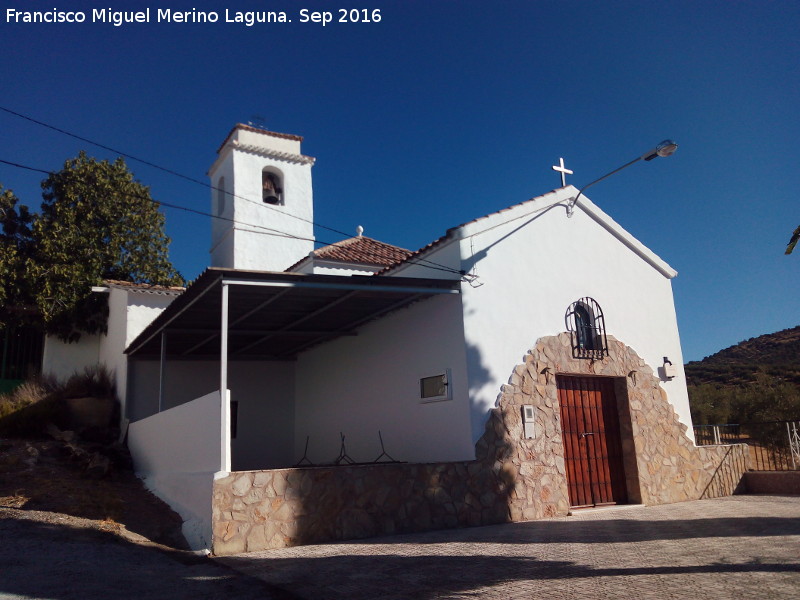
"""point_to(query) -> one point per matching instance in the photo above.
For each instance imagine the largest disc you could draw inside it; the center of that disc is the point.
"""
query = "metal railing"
(774, 445)
(21, 350)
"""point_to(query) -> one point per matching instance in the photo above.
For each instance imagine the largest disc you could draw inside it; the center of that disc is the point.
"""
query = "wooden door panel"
(592, 445)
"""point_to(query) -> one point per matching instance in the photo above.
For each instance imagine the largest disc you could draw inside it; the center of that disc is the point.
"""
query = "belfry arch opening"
(272, 187)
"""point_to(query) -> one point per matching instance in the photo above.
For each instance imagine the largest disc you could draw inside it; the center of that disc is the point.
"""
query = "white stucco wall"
(130, 311)
(531, 269)
(264, 392)
(333, 268)
(221, 249)
(62, 360)
(360, 385)
(179, 463)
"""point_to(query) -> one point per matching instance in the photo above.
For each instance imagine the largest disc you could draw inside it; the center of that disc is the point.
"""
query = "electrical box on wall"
(528, 420)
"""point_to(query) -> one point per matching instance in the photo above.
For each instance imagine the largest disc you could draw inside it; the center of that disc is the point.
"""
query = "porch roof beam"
(216, 333)
(345, 286)
(245, 332)
(352, 325)
(327, 306)
(133, 349)
(214, 358)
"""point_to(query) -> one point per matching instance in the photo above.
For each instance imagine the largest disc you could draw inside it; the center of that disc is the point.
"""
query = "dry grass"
(30, 392)
(16, 500)
(25, 412)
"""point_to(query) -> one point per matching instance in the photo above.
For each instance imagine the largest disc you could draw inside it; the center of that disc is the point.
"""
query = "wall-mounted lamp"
(632, 377)
(670, 370)
(665, 148)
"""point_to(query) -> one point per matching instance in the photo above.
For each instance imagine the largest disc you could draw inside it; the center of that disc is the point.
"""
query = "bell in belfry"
(271, 191)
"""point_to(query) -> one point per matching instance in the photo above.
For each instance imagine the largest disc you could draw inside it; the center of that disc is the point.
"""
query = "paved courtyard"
(737, 547)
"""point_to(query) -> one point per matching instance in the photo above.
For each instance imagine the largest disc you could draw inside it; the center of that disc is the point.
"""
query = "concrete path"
(738, 547)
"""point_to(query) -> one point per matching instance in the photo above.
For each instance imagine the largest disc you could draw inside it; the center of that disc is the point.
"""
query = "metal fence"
(21, 351)
(774, 445)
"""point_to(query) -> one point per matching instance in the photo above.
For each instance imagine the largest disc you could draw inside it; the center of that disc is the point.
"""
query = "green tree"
(15, 248)
(96, 223)
(710, 404)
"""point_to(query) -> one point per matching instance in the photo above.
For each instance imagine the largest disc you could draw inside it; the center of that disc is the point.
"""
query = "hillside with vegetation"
(754, 381)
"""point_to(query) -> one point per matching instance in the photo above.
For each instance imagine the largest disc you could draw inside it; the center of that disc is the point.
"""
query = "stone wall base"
(259, 510)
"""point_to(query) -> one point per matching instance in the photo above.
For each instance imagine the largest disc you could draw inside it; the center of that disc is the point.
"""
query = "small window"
(436, 387)
(586, 323)
(584, 328)
(271, 188)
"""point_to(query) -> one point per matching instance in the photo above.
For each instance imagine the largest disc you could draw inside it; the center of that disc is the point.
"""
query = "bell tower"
(261, 187)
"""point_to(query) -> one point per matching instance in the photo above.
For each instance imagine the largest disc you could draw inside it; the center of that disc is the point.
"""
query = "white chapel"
(295, 395)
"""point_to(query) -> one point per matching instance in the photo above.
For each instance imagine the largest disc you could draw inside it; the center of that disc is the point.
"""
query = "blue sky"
(448, 110)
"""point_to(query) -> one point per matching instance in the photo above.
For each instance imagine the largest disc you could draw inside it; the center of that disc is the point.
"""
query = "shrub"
(95, 382)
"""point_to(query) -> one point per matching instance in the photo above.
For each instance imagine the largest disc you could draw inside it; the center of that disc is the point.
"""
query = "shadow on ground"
(59, 562)
(426, 576)
(609, 531)
(649, 552)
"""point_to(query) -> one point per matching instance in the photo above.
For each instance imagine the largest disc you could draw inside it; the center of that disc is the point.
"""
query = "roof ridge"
(353, 240)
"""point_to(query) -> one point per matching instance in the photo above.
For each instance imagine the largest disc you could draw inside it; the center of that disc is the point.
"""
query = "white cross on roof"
(563, 170)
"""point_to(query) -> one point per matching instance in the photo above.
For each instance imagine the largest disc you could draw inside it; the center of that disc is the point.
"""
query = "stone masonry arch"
(662, 464)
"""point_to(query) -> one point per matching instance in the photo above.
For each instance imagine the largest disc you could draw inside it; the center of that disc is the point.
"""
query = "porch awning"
(275, 315)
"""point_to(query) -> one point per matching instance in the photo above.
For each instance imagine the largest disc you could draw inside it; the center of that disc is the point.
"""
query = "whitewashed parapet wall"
(178, 453)
(263, 391)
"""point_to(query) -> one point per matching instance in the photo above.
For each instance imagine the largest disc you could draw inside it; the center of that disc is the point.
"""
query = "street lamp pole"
(665, 148)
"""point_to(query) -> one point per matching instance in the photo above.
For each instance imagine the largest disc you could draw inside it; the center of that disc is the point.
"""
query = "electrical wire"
(268, 230)
(150, 164)
(428, 263)
(265, 230)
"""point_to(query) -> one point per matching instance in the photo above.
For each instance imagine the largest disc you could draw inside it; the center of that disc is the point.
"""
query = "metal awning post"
(162, 371)
(225, 441)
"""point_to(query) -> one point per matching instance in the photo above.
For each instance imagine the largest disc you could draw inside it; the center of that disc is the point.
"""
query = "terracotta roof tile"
(363, 250)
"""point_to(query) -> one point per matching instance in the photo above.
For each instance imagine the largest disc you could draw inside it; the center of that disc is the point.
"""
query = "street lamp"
(665, 148)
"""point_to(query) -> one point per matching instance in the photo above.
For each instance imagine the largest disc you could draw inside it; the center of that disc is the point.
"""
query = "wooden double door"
(592, 444)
